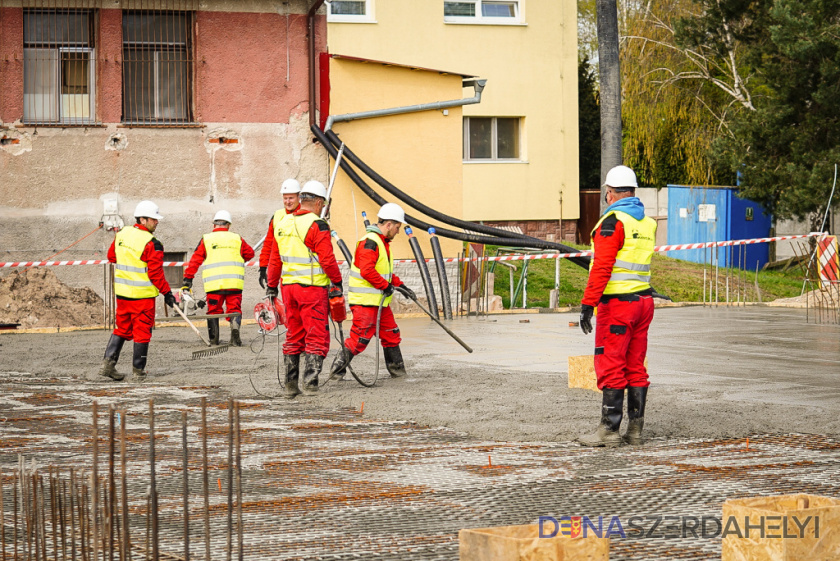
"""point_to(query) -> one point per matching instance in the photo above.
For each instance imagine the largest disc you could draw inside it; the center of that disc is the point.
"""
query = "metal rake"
(203, 353)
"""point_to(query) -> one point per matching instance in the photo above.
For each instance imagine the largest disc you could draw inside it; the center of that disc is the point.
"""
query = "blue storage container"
(711, 214)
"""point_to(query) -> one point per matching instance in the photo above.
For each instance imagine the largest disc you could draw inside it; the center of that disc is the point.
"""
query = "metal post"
(153, 498)
(206, 482)
(186, 486)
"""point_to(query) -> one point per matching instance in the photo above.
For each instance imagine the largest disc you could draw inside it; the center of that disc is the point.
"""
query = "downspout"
(478, 85)
(310, 25)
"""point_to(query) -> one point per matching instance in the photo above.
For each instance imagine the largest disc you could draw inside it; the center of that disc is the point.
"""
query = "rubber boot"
(340, 364)
(213, 331)
(235, 323)
(394, 361)
(606, 434)
(141, 352)
(292, 364)
(112, 355)
(636, 398)
(311, 371)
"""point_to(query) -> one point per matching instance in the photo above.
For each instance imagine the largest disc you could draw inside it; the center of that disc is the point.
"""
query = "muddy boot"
(311, 371)
(611, 412)
(235, 323)
(112, 355)
(213, 331)
(141, 352)
(340, 364)
(394, 361)
(292, 364)
(636, 398)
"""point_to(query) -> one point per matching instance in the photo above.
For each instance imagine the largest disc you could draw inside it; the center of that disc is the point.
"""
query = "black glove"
(340, 286)
(407, 292)
(272, 292)
(263, 277)
(586, 312)
(389, 291)
(336, 292)
(169, 299)
(187, 283)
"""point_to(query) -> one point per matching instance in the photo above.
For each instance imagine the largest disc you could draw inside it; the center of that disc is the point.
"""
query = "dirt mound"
(36, 298)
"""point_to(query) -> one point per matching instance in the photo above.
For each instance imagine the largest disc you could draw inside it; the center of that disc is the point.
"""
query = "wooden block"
(782, 528)
(582, 372)
(522, 543)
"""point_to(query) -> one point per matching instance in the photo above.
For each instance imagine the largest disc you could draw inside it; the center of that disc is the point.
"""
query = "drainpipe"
(478, 85)
(310, 25)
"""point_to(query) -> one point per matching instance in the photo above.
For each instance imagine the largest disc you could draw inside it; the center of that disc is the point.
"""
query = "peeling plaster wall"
(251, 88)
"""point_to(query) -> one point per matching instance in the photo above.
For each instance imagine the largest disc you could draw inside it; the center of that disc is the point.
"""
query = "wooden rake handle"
(194, 328)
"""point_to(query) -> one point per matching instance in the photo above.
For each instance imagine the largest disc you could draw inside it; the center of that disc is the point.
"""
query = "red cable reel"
(269, 314)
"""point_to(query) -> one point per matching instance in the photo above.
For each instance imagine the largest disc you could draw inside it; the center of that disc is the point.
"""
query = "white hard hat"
(391, 211)
(290, 186)
(223, 215)
(147, 209)
(314, 188)
(621, 177)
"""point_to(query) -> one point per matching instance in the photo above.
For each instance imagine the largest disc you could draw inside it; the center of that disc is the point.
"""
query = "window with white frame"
(350, 11)
(491, 139)
(157, 67)
(481, 11)
(59, 67)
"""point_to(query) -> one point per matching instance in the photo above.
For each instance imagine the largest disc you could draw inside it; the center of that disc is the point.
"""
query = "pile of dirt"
(813, 297)
(36, 298)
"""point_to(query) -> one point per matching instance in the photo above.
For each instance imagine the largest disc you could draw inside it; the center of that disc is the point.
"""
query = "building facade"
(519, 146)
(198, 106)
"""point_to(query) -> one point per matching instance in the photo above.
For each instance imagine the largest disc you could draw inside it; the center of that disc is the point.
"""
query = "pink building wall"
(11, 63)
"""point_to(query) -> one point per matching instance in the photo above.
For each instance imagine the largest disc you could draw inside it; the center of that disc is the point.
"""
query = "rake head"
(203, 353)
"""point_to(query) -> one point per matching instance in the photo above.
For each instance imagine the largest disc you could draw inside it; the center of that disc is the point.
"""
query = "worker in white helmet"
(290, 191)
(305, 259)
(371, 285)
(619, 286)
(138, 279)
(224, 255)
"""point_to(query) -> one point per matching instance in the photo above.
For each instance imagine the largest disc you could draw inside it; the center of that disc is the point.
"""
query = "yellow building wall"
(420, 153)
(531, 70)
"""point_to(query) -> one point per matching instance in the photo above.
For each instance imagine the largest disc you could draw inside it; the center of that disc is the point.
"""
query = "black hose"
(344, 249)
(424, 273)
(442, 232)
(441, 271)
(428, 211)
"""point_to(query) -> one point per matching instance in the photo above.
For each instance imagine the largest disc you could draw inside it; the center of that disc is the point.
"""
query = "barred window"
(157, 67)
(59, 67)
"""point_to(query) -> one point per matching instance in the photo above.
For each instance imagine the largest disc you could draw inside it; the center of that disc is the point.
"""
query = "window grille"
(59, 62)
(158, 62)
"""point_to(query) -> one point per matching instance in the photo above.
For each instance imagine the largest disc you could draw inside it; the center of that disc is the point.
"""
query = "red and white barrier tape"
(677, 247)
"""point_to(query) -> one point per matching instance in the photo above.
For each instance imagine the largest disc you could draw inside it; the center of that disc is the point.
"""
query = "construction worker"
(224, 255)
(290, 190)
(371, 285)
(304, 257)
(138, 279)
(619, 286)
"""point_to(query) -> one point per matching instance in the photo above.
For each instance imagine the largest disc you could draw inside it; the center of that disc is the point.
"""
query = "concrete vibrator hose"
(424, 271)
(441, 271)
(443, 232)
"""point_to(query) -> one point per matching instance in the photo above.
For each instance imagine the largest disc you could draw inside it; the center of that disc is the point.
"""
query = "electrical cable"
(261, 337)
(443, 232)
(446, 219)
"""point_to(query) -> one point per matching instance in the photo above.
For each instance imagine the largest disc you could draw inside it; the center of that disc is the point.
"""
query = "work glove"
(388, 291)
(339, 286)
(272, 292)
(169, 299)
(586, 312)
(264, 277)
(335, 292)
(407, 292)
(187, 284)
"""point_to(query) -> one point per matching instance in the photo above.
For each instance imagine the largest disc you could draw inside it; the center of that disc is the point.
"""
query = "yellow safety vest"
(131, 274)
(300, 265)
(631, 272)
(361, 292)
(224, 268)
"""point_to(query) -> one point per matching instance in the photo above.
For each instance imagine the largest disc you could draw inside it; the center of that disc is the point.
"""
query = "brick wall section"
(11, 64)
(548, 230)
(109, 67)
